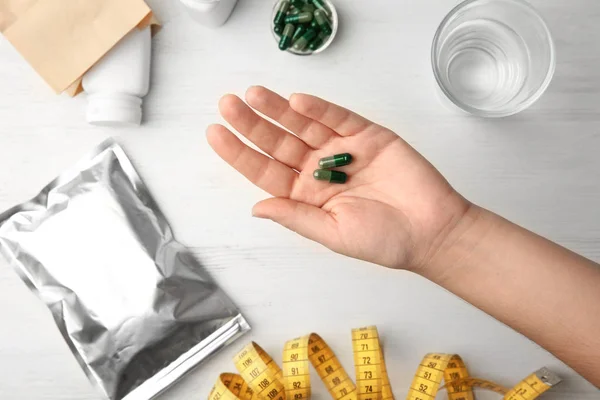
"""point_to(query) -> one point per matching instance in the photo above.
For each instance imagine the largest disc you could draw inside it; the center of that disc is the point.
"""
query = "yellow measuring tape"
(260, 378)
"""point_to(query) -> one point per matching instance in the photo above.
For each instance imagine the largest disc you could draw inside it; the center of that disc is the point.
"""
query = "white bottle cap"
(114, 109)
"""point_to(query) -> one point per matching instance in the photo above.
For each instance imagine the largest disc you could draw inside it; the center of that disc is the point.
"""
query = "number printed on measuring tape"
(260, 378)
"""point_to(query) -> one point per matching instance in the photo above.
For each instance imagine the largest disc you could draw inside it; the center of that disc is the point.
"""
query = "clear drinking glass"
(493, 58)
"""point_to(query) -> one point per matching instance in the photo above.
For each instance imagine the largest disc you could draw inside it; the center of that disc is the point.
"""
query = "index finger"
(276, 107)
(337, 118)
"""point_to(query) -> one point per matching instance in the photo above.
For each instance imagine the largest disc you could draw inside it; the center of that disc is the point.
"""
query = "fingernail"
(256, 214)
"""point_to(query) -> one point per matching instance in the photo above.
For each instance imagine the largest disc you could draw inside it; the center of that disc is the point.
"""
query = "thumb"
(309, 221)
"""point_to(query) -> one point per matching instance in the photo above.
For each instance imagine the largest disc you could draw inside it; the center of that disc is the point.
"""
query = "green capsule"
(284, 6)
(318, 42)
(286, 37)
(309, 8)
(323, 21)
(338, 160)
(298, 3)
(294, 11)
(320, 4)
(301, 18)
(330, 176)
(300, 30)
(302, 42)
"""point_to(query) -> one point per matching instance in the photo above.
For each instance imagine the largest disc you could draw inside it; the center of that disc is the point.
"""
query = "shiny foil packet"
(134, 305)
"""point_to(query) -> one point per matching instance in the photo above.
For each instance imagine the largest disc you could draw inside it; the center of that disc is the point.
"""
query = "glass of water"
(493, 58)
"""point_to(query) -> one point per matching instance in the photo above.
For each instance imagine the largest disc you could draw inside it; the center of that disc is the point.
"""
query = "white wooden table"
(540, 169)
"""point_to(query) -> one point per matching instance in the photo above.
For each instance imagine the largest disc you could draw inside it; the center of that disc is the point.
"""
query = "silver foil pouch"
(135, 307)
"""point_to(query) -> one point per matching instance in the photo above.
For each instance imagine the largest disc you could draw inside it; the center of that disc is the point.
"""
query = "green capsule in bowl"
(315, 25)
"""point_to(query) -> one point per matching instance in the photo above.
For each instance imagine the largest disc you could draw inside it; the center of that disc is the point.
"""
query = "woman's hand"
(395, 210)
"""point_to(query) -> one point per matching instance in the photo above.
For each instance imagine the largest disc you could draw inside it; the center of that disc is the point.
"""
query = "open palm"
(395, 209)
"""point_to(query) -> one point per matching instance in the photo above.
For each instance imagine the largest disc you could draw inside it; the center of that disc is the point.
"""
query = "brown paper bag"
(62, 39)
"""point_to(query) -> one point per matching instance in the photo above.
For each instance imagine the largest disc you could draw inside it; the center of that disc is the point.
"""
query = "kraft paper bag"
(62, 39)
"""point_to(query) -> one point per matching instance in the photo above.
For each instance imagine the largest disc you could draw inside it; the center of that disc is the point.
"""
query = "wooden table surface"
(540, 169)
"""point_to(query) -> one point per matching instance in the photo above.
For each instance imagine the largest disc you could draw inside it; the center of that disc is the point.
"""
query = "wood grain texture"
(539, 169)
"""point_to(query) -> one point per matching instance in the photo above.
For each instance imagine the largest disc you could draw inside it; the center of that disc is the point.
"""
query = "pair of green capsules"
(302, 24)
(325, 173)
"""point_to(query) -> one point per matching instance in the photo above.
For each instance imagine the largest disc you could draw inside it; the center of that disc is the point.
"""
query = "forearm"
(542, 290)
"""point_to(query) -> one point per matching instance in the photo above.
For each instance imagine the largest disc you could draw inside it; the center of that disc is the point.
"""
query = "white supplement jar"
(212, 13)
(116, 84)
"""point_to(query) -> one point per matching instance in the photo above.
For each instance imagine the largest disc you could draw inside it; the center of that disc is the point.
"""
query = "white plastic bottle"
(116, 85)
(212, 13)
